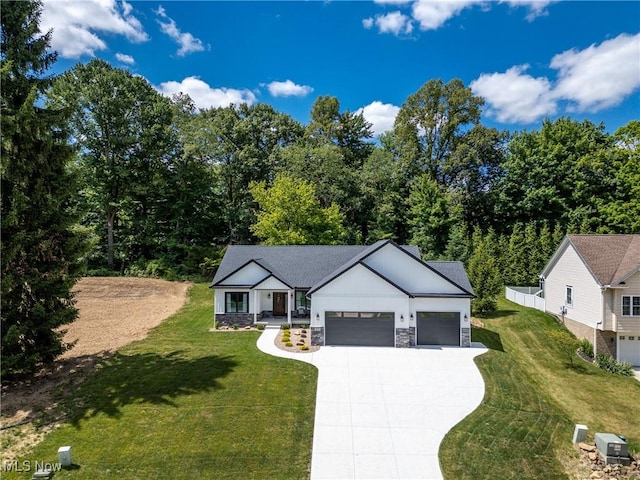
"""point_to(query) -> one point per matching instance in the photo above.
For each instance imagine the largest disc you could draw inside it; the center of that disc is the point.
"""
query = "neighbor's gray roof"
(611, 258)
(303, 266)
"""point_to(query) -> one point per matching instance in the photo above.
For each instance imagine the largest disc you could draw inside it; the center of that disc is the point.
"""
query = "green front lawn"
(533, 399)
(187, 403)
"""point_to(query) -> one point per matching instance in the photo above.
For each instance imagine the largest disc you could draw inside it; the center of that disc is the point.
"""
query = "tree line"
(101, 174)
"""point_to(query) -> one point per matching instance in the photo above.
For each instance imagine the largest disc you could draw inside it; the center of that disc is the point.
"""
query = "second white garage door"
(629, 349)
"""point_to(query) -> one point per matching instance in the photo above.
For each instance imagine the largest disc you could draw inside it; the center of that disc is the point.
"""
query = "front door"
(279, 304)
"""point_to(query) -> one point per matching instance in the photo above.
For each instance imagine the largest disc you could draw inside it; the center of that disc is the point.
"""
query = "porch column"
(255, 306)
(289, 307)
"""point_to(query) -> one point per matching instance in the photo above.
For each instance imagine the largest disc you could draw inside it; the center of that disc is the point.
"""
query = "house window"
(236, 302)
(569, 296)
(630, 306)
(301, 300)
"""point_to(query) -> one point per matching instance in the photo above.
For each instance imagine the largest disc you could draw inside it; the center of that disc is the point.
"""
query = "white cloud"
(206, 97)
(128, 59)
(590, 80)
(288, 89)
(537, 8)
(431, 15)
(515, 96)
(394, 22)
(188, 43)
(77, 24)
(381, 115)
(392, 2)
(599, 76)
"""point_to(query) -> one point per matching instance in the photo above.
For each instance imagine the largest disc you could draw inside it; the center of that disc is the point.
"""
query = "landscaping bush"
(260, 326)
(285, 326)
(289, 344)
(304, 347)
(304, 325)
(608, 363)
(235, 326)
(586, 347)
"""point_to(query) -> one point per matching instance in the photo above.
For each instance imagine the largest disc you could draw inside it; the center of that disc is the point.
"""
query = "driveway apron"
(383, 412)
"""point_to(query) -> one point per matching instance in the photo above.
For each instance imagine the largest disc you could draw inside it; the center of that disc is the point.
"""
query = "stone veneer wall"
(405, 337)
(229, 319)
(465, 340)
(606, 342)
(317, 335)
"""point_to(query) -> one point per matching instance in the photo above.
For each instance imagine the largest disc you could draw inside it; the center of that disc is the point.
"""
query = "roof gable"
(431, 280)
(247, 274)
(610, 258)
(310, 267)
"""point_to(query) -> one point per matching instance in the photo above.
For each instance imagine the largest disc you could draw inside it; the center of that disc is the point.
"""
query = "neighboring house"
(593, 283)
(382, 294)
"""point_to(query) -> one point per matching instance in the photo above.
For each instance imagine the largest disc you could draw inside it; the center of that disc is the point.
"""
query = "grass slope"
(187, 403)
(533, 399)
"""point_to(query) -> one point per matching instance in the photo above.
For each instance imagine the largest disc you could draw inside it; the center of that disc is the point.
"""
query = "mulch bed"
(296, 335)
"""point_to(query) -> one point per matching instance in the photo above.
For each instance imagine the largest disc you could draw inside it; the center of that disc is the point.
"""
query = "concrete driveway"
(383, 412)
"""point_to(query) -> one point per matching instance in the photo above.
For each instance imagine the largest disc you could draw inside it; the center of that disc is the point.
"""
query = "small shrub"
(304, 330)
(304, 325)
(289, 344)
(304, 347)
(285, 326)
(586, 347)
(303, 336)
(235, 326)
(260, 326)
(216, 325)
(608, 363)
(286, 338)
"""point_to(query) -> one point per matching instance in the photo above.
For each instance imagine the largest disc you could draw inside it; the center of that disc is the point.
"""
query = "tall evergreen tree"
(484, 276)
(41, 245)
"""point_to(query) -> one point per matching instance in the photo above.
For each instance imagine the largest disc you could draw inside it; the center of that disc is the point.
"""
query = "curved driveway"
(383, 412)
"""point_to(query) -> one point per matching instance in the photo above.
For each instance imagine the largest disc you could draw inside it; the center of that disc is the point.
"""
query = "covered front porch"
(276, 303)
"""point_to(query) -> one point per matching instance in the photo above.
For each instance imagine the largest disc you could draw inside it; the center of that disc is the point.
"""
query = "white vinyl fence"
(527, 296)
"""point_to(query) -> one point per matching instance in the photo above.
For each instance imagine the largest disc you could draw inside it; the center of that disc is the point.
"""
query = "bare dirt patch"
(113, 311)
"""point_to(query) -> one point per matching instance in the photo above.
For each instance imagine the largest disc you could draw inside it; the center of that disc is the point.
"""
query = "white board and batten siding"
(358, 290)
(405, 270)
(250, 274)
(587, 307)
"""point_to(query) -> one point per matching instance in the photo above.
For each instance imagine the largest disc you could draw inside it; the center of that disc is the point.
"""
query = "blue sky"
(530, 60)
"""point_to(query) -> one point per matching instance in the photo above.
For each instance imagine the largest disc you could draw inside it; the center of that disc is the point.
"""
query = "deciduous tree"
(290, 214)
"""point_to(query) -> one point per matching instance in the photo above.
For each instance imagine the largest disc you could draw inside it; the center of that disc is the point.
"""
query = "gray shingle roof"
(454, 271)
(303, 266)
(300, 266)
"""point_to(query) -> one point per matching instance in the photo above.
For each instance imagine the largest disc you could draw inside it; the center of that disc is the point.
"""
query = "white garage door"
(629, 349)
